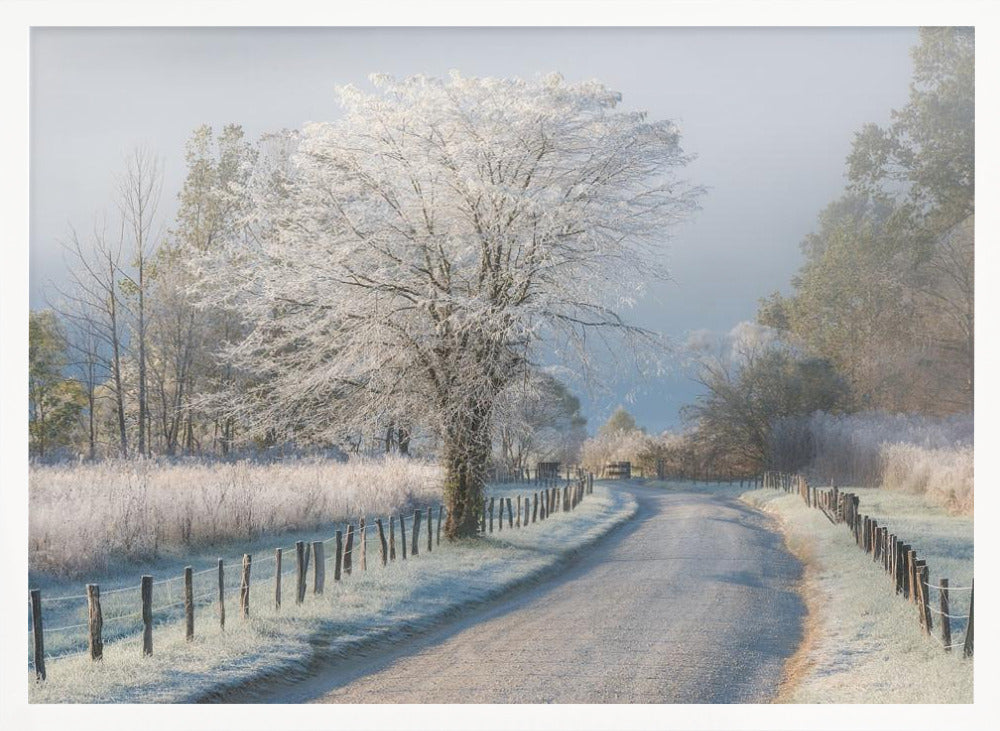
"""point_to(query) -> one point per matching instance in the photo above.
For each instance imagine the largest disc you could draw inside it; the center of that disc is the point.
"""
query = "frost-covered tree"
(538, 420)
(419, 252)
(185, 373)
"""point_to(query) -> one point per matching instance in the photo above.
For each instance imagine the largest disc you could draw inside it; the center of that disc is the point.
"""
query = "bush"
(919, 454)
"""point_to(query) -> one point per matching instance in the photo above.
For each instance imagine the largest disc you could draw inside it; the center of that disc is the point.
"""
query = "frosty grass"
(867, 645)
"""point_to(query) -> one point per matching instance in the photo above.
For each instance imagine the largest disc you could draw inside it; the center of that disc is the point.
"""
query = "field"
(864, 644)
(86, 519)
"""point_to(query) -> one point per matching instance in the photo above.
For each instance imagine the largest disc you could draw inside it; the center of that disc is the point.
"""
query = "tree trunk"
(91, 422)
(465, 458)
(116, 361)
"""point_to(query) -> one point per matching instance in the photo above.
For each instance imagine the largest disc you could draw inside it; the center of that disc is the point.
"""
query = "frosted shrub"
(627, 446)
(918, 454)
(945, 476)
(86, 516)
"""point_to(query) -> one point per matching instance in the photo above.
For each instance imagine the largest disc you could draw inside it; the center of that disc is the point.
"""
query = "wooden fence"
(349, 549)
(908, 574)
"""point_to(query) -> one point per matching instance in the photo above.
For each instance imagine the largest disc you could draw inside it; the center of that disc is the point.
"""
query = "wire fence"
(81, 624)
(909, 575)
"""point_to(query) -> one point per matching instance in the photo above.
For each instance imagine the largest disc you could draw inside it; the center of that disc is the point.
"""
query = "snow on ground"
(864, 644)
(378, 605)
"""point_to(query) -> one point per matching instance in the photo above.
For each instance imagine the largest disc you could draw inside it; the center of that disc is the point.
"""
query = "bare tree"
(88, 366)
(92, 305)
(421, 251)
(139, 190)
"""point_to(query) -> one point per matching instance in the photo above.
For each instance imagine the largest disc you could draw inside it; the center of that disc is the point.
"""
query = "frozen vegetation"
(863, 643)
(85, 518)
(919, 455)
(380, 604)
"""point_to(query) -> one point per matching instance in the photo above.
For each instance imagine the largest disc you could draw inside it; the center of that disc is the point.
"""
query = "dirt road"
(691, 602)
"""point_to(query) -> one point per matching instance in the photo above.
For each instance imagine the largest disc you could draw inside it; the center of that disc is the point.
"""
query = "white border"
(15, 20)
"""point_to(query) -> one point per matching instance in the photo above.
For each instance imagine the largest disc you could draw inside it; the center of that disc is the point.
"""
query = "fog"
(770, 113)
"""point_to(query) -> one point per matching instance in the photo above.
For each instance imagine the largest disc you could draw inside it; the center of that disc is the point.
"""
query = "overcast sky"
(770, 113)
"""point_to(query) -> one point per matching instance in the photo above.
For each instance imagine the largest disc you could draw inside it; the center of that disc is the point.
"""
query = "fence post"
(922, 605)
(338, 556)
(510, 514)
(911, 572)
(146, 592)
(222, 596)
(440, 514)
(892, 562)
(518, 511)
(491, 515)
(392, 538)
(905, 556)
(363, 537)
(402, 536)
(37, 633)
(95, 622)
(925, 579)
(901, 549)
(245, 587)
(349, 550)
(430, 529)
(277, 579)
(319, 566)
(383, 548)
(945, 610)
(189, 603)
(967, 645)
(415, 546)
(300, 572)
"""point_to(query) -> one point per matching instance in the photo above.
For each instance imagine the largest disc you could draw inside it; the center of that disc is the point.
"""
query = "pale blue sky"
(769, 112)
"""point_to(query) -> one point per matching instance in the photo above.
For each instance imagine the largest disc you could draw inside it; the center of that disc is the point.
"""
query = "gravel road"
(691, 602)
